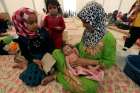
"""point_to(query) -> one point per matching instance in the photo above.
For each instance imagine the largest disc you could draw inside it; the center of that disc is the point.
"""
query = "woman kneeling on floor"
(35, 45)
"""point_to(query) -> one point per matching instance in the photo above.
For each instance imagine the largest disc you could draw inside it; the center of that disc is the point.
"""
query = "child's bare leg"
(48, 79)
(20, 65)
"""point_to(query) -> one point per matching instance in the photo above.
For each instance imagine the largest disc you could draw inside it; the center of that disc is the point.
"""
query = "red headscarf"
(19, 19)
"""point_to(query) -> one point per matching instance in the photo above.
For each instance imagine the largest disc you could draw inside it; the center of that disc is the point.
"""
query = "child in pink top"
(92, 71)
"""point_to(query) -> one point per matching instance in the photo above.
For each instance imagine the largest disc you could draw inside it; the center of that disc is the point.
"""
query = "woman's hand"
(75, 64)
(39, 63)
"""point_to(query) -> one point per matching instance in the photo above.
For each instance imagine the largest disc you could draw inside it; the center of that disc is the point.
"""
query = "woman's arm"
(67, 62)
(108, 57)
(76, 51)
(84, 62)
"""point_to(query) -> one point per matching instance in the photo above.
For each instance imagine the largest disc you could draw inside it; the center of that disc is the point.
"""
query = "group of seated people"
(41, 49)
(119, 19)
(79, 68)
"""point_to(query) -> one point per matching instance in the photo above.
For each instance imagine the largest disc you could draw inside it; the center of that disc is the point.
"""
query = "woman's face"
(32, 22)
(87, 25)
(52, 9)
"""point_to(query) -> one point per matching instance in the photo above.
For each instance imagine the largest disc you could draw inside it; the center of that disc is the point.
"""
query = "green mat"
(6, 39)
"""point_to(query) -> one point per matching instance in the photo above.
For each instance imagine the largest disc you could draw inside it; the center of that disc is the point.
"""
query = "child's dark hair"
(56, 3)
(65, 44)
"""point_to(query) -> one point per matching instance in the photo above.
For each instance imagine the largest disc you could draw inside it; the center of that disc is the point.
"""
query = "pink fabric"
(73, 57)
(115, 81)
(10, 82)
(96, 74)
(20, 24)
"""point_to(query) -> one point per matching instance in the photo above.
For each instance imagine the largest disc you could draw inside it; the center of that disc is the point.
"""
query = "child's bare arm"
(76, 51)
(84, 62)
(67, 62)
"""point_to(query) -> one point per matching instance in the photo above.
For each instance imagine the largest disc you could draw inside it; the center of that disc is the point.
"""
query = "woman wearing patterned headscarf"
(97, 45)
(34, 43)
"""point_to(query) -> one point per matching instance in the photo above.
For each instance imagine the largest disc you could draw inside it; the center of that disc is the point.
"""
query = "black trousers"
(134, 35)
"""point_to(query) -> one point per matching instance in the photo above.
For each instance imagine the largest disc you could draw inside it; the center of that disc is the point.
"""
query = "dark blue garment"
(132, 68)
(35, 48)
(32, 76)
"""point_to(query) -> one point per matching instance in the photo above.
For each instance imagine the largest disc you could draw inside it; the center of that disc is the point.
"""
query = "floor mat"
(116, 81)
(10, 83)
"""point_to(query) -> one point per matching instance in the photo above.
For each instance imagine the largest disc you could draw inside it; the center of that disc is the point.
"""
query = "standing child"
(54, 22)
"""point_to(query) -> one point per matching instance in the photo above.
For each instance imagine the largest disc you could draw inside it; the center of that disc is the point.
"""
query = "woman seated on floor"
(97, 45)
(34, 43)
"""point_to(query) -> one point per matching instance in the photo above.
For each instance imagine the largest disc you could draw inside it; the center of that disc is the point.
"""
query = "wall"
(80, 4)
(1, 7)
(69, 5)
(13, 5)
(39, 5)
(109, 5)
(62, 3)
(126, 5)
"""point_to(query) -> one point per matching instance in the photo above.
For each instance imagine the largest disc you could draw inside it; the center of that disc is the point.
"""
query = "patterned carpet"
(115, 81)
(9, 82)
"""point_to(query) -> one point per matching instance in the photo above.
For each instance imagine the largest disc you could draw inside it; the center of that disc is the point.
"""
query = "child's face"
(67, 50)
(53, 10)
(32, 22)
